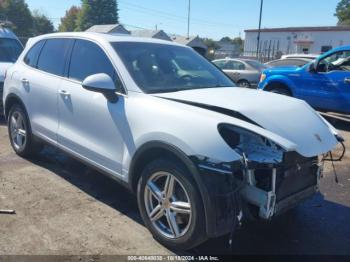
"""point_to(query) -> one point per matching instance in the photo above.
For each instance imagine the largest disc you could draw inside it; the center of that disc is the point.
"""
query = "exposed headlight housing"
(255, 147)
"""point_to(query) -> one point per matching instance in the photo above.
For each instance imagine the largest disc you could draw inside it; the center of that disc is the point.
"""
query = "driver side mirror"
(101, 83)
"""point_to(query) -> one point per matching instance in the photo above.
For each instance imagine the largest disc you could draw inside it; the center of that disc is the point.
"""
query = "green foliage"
(18, 13)
(211, 44)
(41, 24)
(97, 12)
(69, 21)
(343, 12)
(239, 41)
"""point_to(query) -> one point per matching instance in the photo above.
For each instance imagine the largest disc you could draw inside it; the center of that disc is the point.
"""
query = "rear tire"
(174, 214)
(20, 133)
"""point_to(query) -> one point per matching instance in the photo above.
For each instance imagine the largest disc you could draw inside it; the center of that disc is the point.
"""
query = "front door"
(329, 87)
(90, 125)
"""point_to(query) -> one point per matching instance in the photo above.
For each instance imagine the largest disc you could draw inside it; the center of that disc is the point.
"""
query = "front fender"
(279, 79)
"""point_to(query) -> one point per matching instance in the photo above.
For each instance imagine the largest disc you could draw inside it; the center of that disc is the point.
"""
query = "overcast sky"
(209, 18)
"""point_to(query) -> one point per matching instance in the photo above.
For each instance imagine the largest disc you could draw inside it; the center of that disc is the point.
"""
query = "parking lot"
(64, 207)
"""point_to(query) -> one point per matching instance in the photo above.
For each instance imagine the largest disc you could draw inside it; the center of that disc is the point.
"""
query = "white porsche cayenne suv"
(166, 123)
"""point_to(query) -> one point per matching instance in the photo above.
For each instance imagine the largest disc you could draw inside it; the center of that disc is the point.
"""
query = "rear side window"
(52, 58)
(31, 57)
(88, 59)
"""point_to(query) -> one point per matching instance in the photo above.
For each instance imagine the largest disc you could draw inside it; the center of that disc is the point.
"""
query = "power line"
(135, 7)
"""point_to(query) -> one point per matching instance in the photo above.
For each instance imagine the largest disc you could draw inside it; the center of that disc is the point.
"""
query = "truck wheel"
(170, 205)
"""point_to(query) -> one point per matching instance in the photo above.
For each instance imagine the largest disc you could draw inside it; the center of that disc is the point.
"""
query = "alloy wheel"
(18, 130)
(168, 205)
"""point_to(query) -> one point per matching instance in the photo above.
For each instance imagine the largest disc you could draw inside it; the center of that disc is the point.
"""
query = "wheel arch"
(12, 99)
(152, 150)
(280, 84)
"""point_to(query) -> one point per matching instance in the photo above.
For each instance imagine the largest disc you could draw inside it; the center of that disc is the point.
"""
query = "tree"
(97, 12)
(17, 12)
(238, 41)
(69, 21)
(226, 39)
(343, 12)
(41, 24)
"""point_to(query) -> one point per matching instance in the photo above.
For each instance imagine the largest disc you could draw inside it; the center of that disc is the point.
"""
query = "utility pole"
(188, 19)
(259, 31)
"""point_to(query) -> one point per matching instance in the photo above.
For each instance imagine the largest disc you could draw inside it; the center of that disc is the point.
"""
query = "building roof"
(301, 29)
(160, 34)
(192, 41)
(106, 29)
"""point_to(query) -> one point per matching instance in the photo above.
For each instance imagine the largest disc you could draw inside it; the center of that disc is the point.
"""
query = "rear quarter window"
(31, 57)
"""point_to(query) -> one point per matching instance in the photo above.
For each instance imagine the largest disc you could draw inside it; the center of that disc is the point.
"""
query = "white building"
(312, 40)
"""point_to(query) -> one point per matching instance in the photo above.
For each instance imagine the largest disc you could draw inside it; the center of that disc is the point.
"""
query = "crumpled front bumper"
(268, 189)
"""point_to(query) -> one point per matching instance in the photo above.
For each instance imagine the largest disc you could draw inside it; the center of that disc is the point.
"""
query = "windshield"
(159, 68)
(10, 49)
(256, 64)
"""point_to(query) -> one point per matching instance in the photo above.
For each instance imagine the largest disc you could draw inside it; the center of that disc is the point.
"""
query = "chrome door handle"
(25, 81)
(347, 80)
(63, 92)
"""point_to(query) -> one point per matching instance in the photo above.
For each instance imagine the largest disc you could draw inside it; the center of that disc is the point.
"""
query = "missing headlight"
(255, 147)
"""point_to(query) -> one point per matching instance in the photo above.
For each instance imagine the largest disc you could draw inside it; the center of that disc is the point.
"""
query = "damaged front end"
(274, 180)
(267, 179)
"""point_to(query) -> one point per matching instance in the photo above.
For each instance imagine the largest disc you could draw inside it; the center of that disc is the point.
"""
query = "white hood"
(289, 118)
(3, 68)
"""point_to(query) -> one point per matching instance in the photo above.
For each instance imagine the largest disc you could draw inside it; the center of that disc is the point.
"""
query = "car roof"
(234, 59)
(311, 56)
(7, 33)
(101, 37)
(292, 58)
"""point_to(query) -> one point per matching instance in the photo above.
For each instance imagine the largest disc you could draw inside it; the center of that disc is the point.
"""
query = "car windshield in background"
(159, 68)
(256, 64)
(10, 49)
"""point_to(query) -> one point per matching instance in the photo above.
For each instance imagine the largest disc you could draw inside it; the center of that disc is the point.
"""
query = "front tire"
(170, 205)
(20, 133)
(244, 83)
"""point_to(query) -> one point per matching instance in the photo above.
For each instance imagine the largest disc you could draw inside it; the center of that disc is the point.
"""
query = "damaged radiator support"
(274, 190)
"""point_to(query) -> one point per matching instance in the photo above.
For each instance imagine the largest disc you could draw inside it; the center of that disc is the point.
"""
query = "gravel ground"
(65, 208)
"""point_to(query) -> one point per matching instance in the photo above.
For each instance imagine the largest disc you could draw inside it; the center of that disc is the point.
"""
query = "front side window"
(89, 59)
(31, 57)
(10, 49)
(52, 58)
(339, 61)
(161, 68)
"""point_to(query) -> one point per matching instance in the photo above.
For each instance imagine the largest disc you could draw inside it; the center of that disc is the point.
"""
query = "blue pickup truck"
(323, 83)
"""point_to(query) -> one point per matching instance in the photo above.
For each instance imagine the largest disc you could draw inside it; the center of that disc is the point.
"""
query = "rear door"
(41, 80)
(90, 125)
(235, 69)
